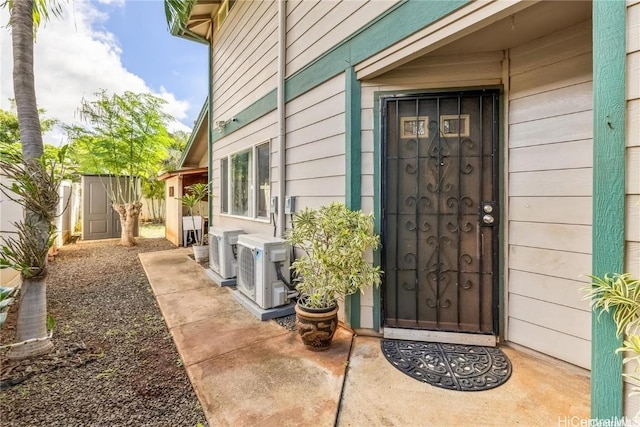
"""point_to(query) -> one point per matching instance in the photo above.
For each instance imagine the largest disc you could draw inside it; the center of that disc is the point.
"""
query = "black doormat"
(450, 366)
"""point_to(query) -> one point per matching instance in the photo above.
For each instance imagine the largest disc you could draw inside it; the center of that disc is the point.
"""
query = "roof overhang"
(193, 19)
(182, 172)
(198, 140)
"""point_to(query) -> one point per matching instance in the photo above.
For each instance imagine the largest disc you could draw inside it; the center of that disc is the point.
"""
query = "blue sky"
(149, 51)
(114, 45)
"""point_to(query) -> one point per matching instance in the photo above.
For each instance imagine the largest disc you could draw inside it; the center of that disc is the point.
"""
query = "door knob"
(487, 219)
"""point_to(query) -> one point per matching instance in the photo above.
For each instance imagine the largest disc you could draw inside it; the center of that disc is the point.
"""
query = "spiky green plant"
(34, 185)
(194, 196)
(6, 299)
(619, 295)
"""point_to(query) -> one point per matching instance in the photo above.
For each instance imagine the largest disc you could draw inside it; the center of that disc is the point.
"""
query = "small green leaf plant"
(334, 240)
(619, 295)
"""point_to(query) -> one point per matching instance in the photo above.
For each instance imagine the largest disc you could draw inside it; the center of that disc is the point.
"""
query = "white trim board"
(438, 336)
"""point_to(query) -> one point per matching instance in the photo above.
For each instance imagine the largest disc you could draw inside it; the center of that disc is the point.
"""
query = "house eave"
(197, 20)
(182, 172)
(204, 113)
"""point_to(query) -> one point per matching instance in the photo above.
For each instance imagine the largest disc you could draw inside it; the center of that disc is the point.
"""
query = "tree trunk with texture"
(32, 314)
(23, 79)
(32, 321)
(129, 213)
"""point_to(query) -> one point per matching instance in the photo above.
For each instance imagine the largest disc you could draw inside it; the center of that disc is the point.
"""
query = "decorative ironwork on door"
(440, 211)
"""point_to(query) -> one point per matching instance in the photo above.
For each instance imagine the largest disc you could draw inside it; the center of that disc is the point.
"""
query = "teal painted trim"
(609, 103)
(391, 27)
(193, 37)
(352, 315)
(353, 148)
(377, 35)
(259, 108)
(353, 167)
(377, 207)
(203, 112)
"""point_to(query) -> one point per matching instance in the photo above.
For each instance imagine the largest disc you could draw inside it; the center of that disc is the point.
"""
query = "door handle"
(487, 213)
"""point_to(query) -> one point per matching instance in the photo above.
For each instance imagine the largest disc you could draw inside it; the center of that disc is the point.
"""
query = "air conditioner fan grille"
(214, 258)
(247, 269)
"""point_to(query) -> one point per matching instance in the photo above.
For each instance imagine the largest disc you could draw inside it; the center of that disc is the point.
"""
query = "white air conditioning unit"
(259, 259)
(222, 251)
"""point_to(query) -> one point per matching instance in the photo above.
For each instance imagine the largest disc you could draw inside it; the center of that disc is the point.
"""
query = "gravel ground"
(114, 362)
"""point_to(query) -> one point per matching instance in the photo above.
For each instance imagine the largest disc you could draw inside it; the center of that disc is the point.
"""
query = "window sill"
(246, 218)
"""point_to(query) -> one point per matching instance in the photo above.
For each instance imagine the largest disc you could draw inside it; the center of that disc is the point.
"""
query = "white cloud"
(75, 58)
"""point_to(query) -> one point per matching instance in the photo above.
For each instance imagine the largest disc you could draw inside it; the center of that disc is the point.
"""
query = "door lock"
(487, 213)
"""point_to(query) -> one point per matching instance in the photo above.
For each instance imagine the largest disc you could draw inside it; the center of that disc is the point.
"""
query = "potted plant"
(334, 240)
(195, 194)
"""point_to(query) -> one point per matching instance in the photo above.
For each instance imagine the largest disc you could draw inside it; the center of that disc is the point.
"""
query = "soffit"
(201, 18)
(479, 27)
(536, 21)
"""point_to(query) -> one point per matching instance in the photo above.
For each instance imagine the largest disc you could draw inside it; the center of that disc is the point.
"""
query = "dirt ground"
(114, 361)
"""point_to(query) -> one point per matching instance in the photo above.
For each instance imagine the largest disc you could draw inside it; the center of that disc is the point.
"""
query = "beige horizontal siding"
(558, 210)
(557, 102)
(553, 290)
(632, 226)
(315, 27)
(315, 145)
(549, 341)
(567, 155)
(551, 130)
(555, 263)
(560, 237)
(244, 57)
(568, 72)
(549, 190)
(632, 205)
(561, 182)
(474, 69)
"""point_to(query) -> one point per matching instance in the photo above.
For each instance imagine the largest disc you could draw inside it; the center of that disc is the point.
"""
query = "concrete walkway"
(247, 372)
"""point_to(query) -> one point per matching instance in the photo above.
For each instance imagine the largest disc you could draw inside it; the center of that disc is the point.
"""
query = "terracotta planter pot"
(317, 326)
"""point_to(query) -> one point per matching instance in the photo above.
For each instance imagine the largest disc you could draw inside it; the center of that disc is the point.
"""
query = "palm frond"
(177, 13)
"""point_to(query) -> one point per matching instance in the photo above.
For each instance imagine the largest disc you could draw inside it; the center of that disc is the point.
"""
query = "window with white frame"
(245, 184)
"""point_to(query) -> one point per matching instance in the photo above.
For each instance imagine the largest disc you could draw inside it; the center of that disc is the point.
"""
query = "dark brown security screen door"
(440, 212)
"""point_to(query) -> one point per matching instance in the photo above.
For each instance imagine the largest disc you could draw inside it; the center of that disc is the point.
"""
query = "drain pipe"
(210, 131)
(282, 128)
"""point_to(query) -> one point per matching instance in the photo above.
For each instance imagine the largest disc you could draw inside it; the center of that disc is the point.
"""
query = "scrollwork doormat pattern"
(450, 366)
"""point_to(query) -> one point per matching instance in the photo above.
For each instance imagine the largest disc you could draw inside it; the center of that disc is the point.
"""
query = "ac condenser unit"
(259, 258)
(222, 251)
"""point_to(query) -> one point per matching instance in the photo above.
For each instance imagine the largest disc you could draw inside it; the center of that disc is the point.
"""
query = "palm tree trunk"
(23, 78)
(32, 315)
(32, 321)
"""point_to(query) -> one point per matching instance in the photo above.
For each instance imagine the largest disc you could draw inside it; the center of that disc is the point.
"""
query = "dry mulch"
(114, 361)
